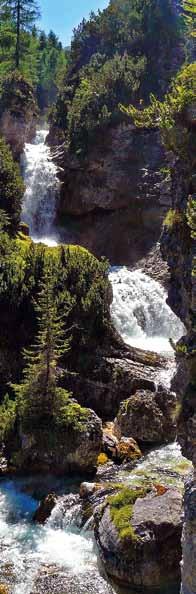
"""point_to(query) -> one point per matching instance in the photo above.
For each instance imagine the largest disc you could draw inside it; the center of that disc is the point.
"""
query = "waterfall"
(42, 186)
(140, 312)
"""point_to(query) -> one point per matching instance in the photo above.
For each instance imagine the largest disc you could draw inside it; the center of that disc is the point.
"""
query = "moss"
(121, 510)
(71, 414)
(174, 217)
(102, 459)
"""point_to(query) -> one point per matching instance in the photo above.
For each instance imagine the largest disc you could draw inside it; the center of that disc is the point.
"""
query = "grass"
(173, 217)
(121, 511)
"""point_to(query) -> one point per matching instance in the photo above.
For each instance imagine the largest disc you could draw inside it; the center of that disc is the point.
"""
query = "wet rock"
(45, 508)
(87, 489)
(149, 556)
(55, 581)
(148, 417)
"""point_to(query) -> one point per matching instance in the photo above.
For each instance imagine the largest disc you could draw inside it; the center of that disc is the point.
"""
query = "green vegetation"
(121, 510)
(171, 115)
(80, 282)
(191, 216)
(113, 59)
(37, 396)
(38, 57)
(173, 217)
(22, 15)
(189, 15)
(11, 188)
(7, 418)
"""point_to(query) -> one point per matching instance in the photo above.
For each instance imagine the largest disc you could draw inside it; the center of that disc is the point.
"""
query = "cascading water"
(25, 547)
(42, 186)
(142, 317)
(140, 312)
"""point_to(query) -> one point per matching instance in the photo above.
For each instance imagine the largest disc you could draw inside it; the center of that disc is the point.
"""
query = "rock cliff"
(18, 113)
(114, 201)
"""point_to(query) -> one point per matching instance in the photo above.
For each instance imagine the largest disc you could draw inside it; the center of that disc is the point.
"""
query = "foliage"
(80, 281)
(113, 59)
(189, 15)
(37, 393)
(43, 61)
(95, 102)
(191, 215)
(170, 115)
(121, 510)
(11, 187)
(22, 15)
(174, 217)
(7, 418)
(102, 459)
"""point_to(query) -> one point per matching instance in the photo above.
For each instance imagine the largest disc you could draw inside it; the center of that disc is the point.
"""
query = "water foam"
(140, 312)
(42, 187)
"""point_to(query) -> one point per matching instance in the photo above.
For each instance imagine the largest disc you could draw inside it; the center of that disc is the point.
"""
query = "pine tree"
(23, 14)
(189, 14)
(37, 394)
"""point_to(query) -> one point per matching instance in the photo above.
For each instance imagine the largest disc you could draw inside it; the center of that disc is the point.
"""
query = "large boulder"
(73, 447)
(140, 544)
(148, 417)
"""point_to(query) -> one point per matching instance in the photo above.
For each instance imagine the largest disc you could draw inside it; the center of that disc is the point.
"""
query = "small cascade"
(140, 312)
(42, 187)
(66, 513)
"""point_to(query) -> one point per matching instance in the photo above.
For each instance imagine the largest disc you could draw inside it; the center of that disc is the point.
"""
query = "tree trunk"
(18, 35)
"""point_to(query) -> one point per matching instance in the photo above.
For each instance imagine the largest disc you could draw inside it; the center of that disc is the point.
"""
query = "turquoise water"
(25, 547)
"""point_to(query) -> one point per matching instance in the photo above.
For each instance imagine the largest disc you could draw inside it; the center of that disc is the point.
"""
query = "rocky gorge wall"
(18, 113)
(178, 247)
(115, 200)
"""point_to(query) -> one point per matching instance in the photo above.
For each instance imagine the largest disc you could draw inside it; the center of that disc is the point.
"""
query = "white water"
(140, 312)
(27, 546)
(142, 317)
(42, 186)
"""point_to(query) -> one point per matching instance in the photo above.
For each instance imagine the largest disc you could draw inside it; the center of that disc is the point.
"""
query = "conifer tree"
(37, 393)
(23, 13)
(189, 14)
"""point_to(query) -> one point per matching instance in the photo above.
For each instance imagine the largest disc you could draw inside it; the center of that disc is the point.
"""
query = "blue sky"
(63, 15)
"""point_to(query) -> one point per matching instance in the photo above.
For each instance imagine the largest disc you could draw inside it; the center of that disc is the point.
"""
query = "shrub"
(174, 217)
(11, 186)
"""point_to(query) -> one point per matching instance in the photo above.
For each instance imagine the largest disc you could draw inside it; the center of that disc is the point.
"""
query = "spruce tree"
(23, 14)
(37, 395)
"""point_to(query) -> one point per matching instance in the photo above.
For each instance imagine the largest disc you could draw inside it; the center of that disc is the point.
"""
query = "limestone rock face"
(152, 558)
(17, 131)
(116, 372)
(18, 113)
(117, 197)
(147, 417)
